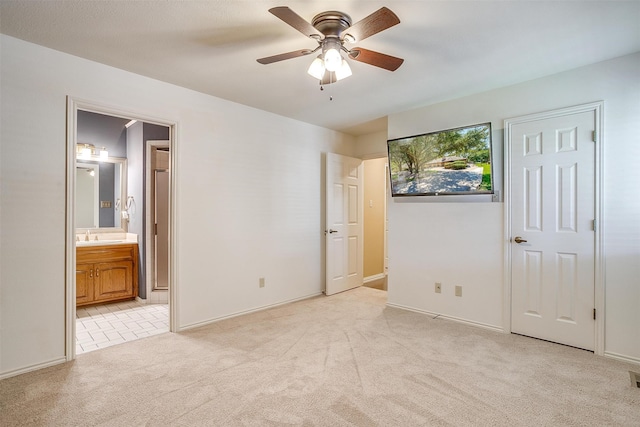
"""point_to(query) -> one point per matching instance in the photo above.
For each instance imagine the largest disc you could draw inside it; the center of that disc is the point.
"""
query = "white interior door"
(344, 219)
(552, 194)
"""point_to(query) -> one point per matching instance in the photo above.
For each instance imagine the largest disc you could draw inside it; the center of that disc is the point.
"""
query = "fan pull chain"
(322, 87)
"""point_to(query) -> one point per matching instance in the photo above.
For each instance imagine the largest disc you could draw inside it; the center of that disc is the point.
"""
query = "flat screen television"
(452, 161)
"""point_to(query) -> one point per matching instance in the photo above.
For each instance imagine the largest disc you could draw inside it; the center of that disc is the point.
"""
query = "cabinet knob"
(97, 272)
(91, 273)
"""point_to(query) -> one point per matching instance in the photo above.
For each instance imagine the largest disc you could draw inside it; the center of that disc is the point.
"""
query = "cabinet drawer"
(105, 253)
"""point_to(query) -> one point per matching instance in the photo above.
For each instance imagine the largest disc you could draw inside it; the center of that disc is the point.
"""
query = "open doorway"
(108, 300)
(375, 223)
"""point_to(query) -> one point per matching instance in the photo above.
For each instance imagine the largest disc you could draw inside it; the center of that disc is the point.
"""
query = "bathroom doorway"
(118, 142)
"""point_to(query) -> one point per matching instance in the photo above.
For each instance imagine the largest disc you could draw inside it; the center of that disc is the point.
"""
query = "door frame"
(599, 292)
(73, 105)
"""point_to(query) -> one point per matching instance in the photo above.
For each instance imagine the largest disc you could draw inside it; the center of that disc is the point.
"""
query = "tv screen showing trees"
(453, 161)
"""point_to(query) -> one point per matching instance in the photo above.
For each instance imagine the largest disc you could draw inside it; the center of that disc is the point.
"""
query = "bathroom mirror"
(100, 186)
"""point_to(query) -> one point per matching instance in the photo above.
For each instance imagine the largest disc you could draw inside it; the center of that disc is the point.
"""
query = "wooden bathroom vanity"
(106, 273)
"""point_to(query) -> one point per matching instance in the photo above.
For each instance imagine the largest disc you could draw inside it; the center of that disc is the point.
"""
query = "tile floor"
(109, 324)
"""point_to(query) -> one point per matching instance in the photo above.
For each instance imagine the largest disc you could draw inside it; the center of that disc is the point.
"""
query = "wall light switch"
(438, 288)
(261, 282)
(458, 291)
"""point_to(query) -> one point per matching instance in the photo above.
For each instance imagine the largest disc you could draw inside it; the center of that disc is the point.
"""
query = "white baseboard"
(373, 278)
(30, 368)
(141, 301)
(453, 318)
(241, 313)
(622, 357)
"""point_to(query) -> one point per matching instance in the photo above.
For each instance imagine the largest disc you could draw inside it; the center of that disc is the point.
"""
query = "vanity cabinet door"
(84, 283)
(113, 280)
(106, 273)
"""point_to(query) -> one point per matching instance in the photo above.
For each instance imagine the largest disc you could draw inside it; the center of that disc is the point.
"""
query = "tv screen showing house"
(453, 161)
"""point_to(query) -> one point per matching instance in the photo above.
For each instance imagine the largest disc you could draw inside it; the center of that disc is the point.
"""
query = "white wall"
(462, 244)
(249, 197)
(372, 145)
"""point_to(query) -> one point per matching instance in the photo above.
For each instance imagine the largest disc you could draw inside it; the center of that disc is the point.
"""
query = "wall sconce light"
(84, 150)
(87, 151)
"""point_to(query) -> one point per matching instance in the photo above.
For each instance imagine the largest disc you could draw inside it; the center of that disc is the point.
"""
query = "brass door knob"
(519, 239)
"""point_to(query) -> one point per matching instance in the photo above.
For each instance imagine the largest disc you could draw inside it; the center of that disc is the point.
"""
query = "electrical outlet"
(635, 379)
(458, 290)
(438, 288)
(261, 282)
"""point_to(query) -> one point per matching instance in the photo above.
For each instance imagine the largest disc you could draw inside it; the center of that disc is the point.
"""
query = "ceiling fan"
(332, 30)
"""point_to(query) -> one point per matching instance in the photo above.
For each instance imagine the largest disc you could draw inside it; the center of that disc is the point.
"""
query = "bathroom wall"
(137, 136)
(109, 132)
(107, 193)
(103, 131)
(135, 195)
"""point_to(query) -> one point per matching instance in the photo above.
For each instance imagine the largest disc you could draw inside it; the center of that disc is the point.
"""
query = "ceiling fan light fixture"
(343, 71)
(316, 69)
(331, 30)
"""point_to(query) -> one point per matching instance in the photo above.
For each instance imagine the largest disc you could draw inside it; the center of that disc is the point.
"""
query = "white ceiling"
(451, 48)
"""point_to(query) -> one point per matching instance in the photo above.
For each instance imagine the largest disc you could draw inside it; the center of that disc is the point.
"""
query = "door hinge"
(594, 314)
(595, 224)
(595, 136)
(155, 229)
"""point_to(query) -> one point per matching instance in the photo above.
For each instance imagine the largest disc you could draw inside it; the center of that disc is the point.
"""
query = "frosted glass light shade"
(332, 59)
(316, 69)
(343, 71)
(85, 152)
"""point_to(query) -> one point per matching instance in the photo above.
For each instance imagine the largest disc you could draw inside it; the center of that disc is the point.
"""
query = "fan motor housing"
(331, 23)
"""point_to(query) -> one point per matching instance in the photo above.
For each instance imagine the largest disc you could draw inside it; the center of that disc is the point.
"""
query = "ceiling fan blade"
(283, 56)
(297, 22)
(378, 21)
(377, 59)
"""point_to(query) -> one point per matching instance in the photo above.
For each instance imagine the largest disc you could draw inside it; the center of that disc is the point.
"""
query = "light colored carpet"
(328, 361)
